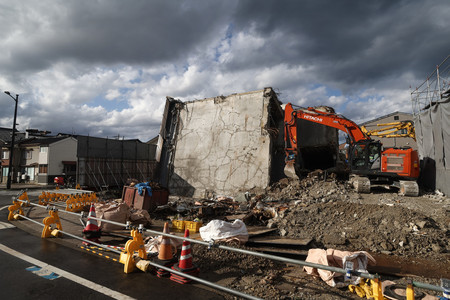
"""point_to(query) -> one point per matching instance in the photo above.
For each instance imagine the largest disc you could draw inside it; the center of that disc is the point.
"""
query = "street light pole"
(11, 151)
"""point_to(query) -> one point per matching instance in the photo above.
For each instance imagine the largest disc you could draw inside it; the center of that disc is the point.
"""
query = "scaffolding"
(435, 89)
(431, 108)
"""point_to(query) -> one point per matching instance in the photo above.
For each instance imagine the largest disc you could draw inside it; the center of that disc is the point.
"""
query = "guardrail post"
(78, 205)
(410, 290)
(43, 199)
(132, 246)
(13, 208)
(24, 197)
(48, 221)
(70, 204)
(376, 289)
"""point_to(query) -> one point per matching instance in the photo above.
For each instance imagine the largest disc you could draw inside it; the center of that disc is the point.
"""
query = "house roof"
(35, 141)
(153, 141)
(5, 135)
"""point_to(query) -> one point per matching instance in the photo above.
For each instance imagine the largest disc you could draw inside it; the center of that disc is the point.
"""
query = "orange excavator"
(369, 164)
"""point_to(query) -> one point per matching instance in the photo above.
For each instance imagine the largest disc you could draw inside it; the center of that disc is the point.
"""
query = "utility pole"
(11, 151)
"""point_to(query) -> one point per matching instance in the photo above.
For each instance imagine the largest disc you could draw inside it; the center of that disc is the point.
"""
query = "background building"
(90, 161)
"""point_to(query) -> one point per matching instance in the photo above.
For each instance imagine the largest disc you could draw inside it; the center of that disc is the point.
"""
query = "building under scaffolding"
(102, 163)
(431, 107)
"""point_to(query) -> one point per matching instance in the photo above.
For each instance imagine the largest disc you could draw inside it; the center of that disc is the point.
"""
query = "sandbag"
(117, 212)
(337, 258)
(140, 216)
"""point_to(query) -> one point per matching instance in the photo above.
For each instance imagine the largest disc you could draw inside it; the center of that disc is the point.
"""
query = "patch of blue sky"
(228, 37)
(110, 105)
(138, 79)
(329, 91)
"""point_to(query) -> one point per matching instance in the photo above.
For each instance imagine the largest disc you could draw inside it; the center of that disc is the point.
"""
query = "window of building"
(43, 149)
(29, 171)
(396, 118)
(43, 169)
(27, 154)
(5, 154)
(5, 171)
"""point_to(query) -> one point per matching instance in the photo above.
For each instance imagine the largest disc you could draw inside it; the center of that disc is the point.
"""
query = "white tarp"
(221, 230)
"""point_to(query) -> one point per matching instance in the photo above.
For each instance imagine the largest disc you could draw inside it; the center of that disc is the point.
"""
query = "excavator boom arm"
(321, 117)
(390, 130)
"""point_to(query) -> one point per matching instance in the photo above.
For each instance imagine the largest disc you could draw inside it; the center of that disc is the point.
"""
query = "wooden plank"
(254, 231)
(280, 241)
(282, 252)
(235, 217)
(402, 266)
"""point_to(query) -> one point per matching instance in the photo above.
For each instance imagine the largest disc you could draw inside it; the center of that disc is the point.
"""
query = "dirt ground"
(333, 216)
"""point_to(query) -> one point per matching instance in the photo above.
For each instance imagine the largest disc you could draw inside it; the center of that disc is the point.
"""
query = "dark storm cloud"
(352, 41)
(111, 32)
(68, 58)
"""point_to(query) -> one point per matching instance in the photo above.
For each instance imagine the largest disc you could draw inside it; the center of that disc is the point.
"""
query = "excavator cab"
(365, 156)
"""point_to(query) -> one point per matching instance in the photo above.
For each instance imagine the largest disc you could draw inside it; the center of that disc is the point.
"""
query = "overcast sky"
(105, 67)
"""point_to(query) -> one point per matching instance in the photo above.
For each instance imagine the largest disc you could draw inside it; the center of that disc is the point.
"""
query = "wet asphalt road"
(83, 275)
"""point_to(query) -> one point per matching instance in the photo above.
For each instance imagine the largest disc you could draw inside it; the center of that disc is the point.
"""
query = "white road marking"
(4, 225)
(80, 280)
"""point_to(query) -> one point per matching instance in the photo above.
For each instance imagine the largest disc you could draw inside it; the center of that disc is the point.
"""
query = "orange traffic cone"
(185, 264)
(165, 255)
(92, 232)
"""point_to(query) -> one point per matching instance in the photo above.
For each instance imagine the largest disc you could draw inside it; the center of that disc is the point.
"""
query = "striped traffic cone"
(92, 232)
(165, 255)
(185, 264)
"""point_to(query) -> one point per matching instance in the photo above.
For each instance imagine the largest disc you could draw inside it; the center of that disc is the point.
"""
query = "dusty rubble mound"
(334, 216)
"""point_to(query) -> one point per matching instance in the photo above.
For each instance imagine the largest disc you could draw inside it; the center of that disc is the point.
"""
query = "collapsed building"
(229, 144)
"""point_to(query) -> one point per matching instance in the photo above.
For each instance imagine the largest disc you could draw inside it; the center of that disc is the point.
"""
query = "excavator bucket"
(289, 170)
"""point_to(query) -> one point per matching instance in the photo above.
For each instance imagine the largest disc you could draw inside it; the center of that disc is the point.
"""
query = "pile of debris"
(331, 214)
(328, 214)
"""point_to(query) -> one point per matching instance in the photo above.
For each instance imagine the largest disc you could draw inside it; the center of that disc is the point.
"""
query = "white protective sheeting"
(433, 141)
(221, 230)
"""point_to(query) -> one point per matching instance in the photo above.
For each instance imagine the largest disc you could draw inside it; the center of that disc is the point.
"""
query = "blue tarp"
(143, 185)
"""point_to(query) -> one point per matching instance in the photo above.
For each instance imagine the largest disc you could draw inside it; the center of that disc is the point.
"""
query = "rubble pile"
(310, 190)
(369, 227)
(334, 216)
(327, 212)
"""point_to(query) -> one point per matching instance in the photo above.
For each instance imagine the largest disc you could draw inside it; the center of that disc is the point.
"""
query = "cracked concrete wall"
(222, 145)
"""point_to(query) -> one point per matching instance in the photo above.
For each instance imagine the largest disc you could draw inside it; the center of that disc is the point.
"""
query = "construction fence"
(431, 105)
(104, 163)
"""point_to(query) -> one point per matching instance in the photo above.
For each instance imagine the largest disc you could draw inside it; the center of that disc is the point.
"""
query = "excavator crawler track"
(409, 188)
